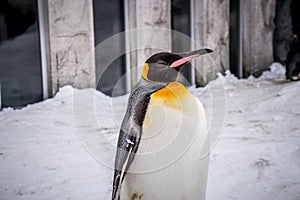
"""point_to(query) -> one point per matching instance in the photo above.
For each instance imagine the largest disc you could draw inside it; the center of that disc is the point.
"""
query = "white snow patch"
(62, 148)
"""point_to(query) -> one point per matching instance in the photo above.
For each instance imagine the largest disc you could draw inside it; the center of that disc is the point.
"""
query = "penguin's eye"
(161, 62)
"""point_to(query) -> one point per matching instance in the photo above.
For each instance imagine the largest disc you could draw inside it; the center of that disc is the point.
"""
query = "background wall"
(71, 37)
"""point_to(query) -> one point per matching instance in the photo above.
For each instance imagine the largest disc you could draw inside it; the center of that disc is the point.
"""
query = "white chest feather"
(168, 164)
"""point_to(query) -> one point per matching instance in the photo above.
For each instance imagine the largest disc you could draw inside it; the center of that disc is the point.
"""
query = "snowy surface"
(63, 148)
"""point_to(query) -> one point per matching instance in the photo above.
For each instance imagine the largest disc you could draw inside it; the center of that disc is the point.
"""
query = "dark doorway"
(295, 8)
(235, 38)
(20, 64)
(181, 22)
(283, 30)
(287, 27)
(108, 21)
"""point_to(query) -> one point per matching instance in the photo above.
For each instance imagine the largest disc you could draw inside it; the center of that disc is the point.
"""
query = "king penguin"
(162, 135)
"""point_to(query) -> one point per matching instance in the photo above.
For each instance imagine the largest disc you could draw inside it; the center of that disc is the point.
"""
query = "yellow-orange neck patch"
(170, 96)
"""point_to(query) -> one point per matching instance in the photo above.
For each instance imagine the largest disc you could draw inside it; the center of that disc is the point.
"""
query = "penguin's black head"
(164, 67)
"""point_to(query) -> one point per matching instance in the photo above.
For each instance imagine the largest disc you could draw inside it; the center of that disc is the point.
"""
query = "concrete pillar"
(258, 27)
(211, 30)
(152, 21)
(71, 44)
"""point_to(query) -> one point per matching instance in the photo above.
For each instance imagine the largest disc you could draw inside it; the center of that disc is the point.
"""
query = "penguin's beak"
(188, 56)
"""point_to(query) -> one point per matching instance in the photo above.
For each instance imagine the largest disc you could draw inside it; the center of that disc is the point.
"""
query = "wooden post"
(211, 30)
(71, 44)
(152, 21)
(258, 28)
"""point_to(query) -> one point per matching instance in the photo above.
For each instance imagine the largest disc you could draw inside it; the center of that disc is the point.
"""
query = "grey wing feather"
(131, 131)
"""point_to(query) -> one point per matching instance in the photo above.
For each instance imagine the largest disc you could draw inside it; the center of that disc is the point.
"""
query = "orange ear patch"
(145, 71)
(171, 96)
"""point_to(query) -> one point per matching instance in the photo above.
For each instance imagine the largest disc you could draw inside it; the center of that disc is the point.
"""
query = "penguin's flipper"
(131, 131)
(126, 148)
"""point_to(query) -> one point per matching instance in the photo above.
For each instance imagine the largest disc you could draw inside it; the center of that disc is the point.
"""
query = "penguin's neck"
(148, 86)
(172, 95)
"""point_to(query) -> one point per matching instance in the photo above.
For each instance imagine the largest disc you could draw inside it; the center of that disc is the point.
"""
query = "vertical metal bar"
(192, 31)
(127, 47)
(240, 25)
(42, 37)
(236, 35)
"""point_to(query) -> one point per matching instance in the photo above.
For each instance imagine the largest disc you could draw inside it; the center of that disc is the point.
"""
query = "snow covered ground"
(62, 148)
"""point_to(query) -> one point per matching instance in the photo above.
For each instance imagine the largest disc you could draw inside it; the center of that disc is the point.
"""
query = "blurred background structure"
(46, 44)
